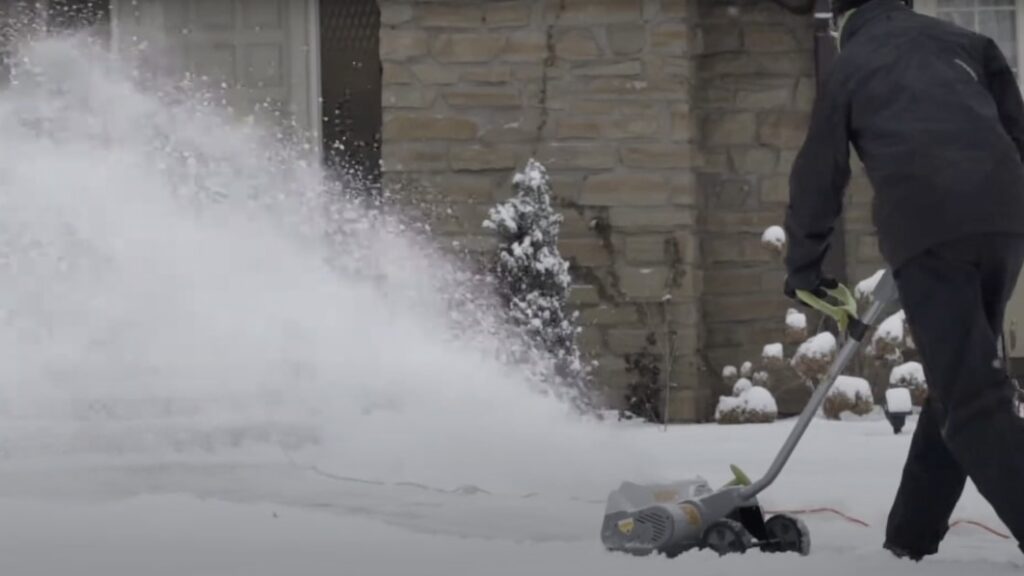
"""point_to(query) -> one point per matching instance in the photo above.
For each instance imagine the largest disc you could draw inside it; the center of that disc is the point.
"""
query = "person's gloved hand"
(816, 285)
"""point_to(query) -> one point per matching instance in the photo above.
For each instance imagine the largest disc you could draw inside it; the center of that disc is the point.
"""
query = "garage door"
(262, 54)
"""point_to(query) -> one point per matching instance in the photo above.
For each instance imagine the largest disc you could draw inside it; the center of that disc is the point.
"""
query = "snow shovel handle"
(885, 293)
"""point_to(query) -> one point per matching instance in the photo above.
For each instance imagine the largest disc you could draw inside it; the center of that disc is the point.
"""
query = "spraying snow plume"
(161, 262)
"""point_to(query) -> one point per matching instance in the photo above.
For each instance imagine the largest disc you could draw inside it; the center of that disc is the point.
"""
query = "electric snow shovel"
(676, 517)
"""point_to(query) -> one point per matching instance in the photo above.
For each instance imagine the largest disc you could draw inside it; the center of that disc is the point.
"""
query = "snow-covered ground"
(255, 515)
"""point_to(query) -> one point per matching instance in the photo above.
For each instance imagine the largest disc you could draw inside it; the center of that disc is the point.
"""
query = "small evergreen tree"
(533, 279)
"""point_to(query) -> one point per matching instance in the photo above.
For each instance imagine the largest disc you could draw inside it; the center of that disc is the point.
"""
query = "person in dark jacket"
(935, 114)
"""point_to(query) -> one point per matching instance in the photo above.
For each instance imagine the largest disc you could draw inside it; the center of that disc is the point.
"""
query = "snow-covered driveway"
(261, 515)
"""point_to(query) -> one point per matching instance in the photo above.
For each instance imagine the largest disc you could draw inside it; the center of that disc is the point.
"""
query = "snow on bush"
(898, 401)
(865, 288)
(742, 385)
(814, 356)
(533, 279)
(910, 376)
(889, 338)
(730, 375)
(774, 239)
(755, 405)
(747, 370)
(796, 326)
(773, 354)
(849, 394)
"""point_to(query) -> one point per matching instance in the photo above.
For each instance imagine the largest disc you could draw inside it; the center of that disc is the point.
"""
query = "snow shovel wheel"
(787, 534)
(727, 537)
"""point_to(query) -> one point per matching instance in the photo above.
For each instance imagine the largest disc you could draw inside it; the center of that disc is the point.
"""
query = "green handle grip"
(842, 312)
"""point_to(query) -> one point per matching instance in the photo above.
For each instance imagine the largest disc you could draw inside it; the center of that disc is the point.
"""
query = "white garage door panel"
(259, 53)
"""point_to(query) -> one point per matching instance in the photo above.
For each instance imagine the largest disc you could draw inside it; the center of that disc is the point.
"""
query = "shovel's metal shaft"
(885, 294)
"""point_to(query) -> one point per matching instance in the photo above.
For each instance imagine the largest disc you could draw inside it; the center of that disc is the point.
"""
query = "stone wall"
(754, 93)
(598, 91)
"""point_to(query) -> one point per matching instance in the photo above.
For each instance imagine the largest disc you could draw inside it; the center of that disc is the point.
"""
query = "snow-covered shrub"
(747, 370)
(849, 394)
(910, 376)
(774, 239)
(741, 386)
(889, 339)
(533, 279)
(796, 326)
(773, 355)
(730, 375)
(866, 288)
(813, 357)
(755, 405)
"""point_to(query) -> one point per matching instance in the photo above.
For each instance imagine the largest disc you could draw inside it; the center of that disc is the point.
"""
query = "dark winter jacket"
(935, 114)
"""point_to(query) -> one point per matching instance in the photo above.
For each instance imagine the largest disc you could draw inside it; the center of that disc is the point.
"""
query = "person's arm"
(817, 184)
(1002, 84)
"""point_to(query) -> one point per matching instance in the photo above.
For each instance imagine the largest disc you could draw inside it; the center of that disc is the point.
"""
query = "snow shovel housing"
(676, 517)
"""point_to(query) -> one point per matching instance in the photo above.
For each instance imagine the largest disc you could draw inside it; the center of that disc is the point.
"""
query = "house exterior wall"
(669, 128)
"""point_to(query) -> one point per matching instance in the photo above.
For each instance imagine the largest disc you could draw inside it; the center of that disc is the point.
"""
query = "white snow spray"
(165, 274)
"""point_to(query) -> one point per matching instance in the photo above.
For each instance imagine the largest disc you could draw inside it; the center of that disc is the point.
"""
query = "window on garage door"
(999, 19)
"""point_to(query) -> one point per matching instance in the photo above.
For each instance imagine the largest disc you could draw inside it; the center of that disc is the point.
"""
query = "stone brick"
(867, 247)
(566, 185)
(630, 68)
(558, 156)
(483, 97)
(627, 39)
(653, 89)
(647, 249)
(508, 14)
(783, 129)
(733, 194)
(768, 94)
(526, 47)
(591, 342)
(585, 251)
(394, 73)
(467, 47)
(626, 341)
(408, 96)
(732, 281)
(644, 283)
(661, 218)
(718, 38)
(407, 157)
(605, 315)
(682, 122)
(394, 13)
(408, 127)
(726, 64)
(669, 67)
(730, 129)
(577, 45)
(753, 222)
(449, 15)
(657, 155)
(402, 44)
(434, 73)
(789, 64)
(473, 158)
(472, 188)
(593, 12)
(671, 38)
(746, 249)
(786, 159)
(775, 189)
(675, 8)
(487, 74)
(624, 189)
(684, 189)
(754, 160)
(760, 39)
(806, 89)
(580, 294)
(739, 308)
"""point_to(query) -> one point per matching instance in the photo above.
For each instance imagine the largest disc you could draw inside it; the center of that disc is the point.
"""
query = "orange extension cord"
(860, 522)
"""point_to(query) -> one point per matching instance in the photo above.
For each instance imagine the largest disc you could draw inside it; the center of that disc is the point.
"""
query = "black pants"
(955, 297)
